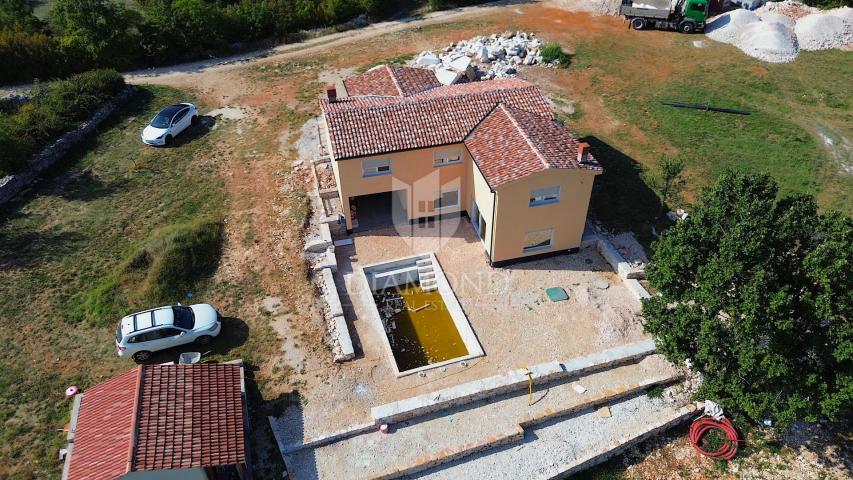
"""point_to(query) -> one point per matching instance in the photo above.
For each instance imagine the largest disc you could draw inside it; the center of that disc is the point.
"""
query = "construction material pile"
(778, 31)
(482, 57)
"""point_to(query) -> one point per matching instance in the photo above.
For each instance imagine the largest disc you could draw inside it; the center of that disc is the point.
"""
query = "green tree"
(18, 15)
(758, 294)
(98, 32)
(668, 182)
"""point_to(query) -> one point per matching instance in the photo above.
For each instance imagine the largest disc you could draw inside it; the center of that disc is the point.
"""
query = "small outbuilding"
(183, 422)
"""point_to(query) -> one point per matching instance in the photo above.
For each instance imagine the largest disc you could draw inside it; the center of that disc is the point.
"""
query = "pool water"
(422, 332)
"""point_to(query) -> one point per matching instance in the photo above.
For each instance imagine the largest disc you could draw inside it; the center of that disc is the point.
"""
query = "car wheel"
(204, 340)
(168, 140)
(142, 356)
(638, 23)
(687, 27)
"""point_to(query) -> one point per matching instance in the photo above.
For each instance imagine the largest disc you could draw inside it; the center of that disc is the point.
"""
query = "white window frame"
(539, 247)
(544, 196)
(440, 194)
(442, 159)
(376, 168)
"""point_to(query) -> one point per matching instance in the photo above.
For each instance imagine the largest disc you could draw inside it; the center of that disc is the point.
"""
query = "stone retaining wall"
(12, 185)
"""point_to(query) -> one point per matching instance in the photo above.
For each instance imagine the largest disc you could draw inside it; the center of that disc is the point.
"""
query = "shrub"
(53, 109)
(553, 52)
(176, 260)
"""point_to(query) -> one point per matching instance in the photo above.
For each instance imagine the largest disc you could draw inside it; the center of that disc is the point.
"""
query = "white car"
(140, 334)
(167, 124)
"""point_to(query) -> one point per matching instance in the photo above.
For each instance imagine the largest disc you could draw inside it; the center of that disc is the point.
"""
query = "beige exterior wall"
(515, 216)
(412, 171)
(481, 193)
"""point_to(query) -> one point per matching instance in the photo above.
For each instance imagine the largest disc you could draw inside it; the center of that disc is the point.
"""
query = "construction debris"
(482, 57)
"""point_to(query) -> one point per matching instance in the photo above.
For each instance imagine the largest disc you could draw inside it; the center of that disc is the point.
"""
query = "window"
(446, 199)
(537, 240)
(184, 317)
(699, 7)
(544, 196)
(372, 168)
(447, 158)
(179, 116)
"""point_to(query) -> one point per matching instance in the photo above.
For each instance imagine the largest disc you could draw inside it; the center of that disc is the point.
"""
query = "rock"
(316, 246)
(601, 284)
(483, 54)
(447, 77)
(427, 58)
(507, 34)
(460, 64)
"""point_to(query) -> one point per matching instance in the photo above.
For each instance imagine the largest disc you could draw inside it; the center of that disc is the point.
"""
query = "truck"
(686, 16)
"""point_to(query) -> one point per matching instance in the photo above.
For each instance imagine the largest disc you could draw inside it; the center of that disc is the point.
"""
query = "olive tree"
(757, 292)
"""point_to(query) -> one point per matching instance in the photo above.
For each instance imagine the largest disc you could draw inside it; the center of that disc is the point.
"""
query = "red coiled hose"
(704, 425)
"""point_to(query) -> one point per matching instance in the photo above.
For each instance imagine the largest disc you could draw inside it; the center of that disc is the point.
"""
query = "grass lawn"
(800, 130)
(800, 116)
(72, 231)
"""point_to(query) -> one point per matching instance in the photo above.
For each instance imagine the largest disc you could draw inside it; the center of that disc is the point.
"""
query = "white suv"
(141, 333)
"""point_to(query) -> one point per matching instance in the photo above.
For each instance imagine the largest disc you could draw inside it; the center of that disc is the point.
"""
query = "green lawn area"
(72, 231)
(799, 131)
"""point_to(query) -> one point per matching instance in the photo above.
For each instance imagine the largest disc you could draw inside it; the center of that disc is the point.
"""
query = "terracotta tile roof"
(510, 144)
(104, 429)
(441, 116)
(189, 416)
(390, 80)
(186, 416)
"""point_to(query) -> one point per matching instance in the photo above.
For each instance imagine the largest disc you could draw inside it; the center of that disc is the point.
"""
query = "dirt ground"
(277, 93)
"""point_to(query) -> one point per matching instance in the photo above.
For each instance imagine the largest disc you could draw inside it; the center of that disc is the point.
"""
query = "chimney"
(583, 152)
(331, 92)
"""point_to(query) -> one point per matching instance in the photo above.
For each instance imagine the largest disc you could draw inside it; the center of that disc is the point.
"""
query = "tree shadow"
(23, 248)
(620, 198)
(264, 453)
(83, 186)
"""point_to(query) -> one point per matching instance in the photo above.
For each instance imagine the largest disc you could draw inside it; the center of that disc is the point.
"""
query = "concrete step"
(425, 269)
(430, 275)
(424, 262)
(458, 432)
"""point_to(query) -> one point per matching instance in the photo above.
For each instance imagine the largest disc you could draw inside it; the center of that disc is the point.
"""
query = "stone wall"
(11, 185)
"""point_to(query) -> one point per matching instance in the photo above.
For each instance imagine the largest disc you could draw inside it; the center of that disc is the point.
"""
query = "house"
(165, 422)
(402, 144)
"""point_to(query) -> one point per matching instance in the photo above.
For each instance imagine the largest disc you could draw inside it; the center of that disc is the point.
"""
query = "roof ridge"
(524, 134)
(394, 80)
(414, 99)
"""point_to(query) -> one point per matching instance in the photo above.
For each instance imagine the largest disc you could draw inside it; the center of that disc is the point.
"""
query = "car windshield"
(161, 121)
(184, 317)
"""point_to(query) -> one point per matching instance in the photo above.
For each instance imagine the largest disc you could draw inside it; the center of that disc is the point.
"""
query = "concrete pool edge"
(460, 320)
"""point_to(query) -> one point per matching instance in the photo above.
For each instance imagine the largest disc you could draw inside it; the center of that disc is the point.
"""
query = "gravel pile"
(727, 27)
(769, 41)
(773, 17)
(820, 31)
(777, 31)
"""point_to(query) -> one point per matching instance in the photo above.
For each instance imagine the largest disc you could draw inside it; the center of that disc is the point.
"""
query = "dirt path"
(167, 75)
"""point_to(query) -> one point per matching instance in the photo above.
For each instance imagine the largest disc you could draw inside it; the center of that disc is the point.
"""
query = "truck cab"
(686, 16)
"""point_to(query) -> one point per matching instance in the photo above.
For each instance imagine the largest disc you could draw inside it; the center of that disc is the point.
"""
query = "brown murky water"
(425, 332)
